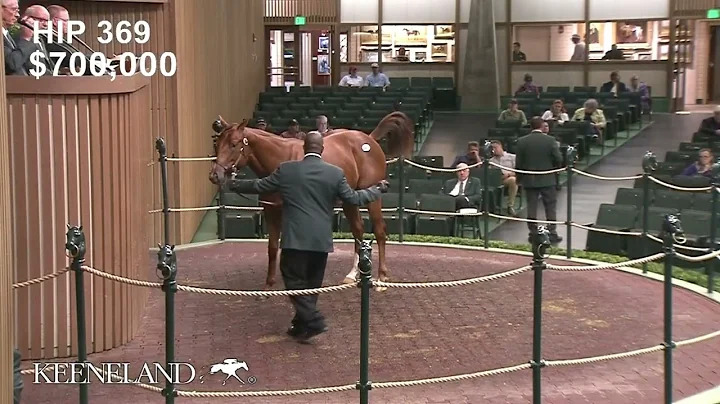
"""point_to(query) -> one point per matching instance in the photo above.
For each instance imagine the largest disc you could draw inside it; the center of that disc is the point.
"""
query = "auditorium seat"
(435, 225)
(616, 218)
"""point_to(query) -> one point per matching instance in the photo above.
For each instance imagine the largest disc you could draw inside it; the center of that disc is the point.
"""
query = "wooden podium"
(79, 148)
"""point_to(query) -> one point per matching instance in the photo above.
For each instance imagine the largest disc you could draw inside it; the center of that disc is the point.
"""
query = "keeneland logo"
(148, 373)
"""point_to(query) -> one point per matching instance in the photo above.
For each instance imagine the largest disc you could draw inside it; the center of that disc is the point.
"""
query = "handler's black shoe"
(295, 331)
(309, 334)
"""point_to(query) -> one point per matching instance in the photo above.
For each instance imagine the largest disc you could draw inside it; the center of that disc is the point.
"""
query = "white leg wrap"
(355, 268)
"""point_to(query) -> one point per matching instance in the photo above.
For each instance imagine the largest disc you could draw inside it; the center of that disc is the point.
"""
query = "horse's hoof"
(349, 280)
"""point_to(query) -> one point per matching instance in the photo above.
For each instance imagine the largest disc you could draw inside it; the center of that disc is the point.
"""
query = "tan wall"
(222, 72)
(6, 259)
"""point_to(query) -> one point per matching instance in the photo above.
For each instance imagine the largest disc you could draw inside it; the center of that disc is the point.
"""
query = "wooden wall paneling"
(46, 226)
(228, 85)
(162, 94)
(6, 257)
(20, 229)
(59, 190)
(32, 153)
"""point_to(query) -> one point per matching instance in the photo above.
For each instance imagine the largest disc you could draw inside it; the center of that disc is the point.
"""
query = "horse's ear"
(222, 122)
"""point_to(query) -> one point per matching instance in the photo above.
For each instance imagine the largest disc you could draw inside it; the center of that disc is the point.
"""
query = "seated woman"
(513, 113)
(703, 166)
(351, 79)
(556, 113)
(528, 86)
(593, 115)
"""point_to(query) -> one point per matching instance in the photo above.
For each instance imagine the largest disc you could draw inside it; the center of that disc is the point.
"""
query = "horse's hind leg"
(352, 213)
(380, 231)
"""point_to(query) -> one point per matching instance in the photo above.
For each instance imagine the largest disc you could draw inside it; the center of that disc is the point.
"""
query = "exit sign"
(713, 14)
(300, 19)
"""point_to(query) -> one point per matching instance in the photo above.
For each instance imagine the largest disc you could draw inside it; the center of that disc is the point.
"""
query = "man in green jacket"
(537, 151)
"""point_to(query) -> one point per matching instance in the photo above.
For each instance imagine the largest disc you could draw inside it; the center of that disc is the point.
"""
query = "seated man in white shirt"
(467, 190)
(505, 159)
(351, 79)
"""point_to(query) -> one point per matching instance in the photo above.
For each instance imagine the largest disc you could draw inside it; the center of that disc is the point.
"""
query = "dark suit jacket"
(709, 125)
(607, 87)
(537, 151)
(473, 189)
(15, 57)
(309, 188)
(30, 47)
(68, 49)
(17, 379)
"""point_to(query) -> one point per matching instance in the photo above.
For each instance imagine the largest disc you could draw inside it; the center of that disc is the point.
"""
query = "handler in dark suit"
(309, 189)
(614, 86)
(537, 151)
(466, 190)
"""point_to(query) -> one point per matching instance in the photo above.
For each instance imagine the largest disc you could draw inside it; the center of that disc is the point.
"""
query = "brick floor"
(421, 333)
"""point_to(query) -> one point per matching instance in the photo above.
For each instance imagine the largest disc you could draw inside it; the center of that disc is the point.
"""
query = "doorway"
(714, 65)
(300, 56)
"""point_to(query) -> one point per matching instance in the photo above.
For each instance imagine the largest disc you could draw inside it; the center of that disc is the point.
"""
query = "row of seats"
(251, 224)
(664, 198)
(619, 217)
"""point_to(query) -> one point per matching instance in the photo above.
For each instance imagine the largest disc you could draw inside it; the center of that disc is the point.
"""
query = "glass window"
(548, 42)
(418, 43)
(358, 44)
(631, 40)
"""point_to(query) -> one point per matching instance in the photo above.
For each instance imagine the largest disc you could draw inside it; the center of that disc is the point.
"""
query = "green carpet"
(208, 226)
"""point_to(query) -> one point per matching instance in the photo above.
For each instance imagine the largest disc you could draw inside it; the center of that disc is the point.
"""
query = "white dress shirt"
(348, 80)
(456, 190)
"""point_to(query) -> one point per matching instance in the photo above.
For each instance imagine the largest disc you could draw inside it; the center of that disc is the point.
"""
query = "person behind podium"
(24, 38)
(466, 190)
(15, 57)
(59, 17)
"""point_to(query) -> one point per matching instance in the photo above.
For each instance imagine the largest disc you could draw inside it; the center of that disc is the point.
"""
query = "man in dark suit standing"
(538, 151)
(466, 190)
(15, 58)
(614, 86)
(309, 188)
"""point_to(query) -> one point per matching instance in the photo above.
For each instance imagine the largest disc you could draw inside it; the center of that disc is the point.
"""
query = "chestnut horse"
(357, 154)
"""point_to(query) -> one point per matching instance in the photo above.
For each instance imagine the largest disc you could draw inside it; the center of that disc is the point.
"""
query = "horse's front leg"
(273, 218)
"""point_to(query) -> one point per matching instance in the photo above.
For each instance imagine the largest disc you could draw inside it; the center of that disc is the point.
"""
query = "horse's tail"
(397, 127)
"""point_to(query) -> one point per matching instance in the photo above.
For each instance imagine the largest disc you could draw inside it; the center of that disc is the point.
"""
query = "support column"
(6, 261)
(480, 88)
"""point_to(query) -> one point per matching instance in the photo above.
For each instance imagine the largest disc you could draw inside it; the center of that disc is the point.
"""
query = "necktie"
(462, 188)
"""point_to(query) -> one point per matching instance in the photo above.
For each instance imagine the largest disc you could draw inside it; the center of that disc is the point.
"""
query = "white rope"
(677, 188)
(444, 284)
(583, 361)
(599, 177)
(434, 213)
(267, 293)
(40, 279)
(209, 158)
(698, 339)
(676, 245)
(442, 170)
(515, 170)
(601, 230)
(455, 378)
(520, 219)
(121, 279)
(266, 393)
(699, 258)
(606, 266)
(391, 161)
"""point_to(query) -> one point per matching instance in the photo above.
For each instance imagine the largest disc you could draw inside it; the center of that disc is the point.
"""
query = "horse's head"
(75, 240)
(231, 150)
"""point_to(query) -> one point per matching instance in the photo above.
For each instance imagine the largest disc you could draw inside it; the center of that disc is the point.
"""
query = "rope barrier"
(520, 219)
(455, 378)
(438, 169)
(515, 170)
(40, 279)
(444, 284)
(607, 231)
(630, 263)
(603, 178)
(246, 208)
(678, 188)
(676, 245)
(699, 258)
(266, 393)
(435, 213)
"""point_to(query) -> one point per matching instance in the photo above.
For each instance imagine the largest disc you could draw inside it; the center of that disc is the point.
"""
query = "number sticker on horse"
(365, 147)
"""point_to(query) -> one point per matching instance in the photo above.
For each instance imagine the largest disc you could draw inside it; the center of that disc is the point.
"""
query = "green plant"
(679, 273)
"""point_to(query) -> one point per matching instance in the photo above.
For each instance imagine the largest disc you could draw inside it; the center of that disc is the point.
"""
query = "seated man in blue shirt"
(377, 79)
